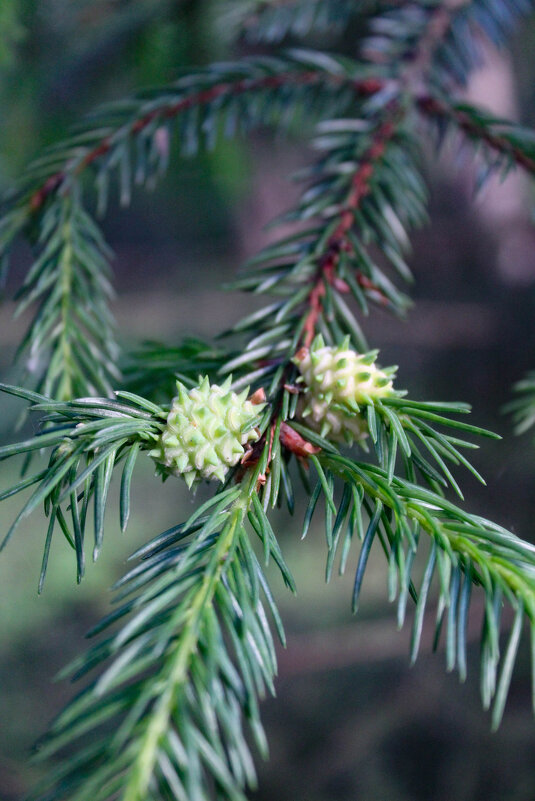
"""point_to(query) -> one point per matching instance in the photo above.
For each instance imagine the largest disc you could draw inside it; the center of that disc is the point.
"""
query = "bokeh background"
(351, 721)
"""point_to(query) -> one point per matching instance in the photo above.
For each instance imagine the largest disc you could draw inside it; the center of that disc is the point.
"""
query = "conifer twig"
(362, 87)
(501, 136)
(339, 241)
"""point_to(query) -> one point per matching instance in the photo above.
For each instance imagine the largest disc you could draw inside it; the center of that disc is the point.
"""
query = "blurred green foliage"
(59, 59)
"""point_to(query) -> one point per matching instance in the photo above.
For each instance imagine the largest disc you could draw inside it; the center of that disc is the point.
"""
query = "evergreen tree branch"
(215, 90)
(466, 550)
(275, 20)
(221, 96)
(461, 51)
(522, 407)
(71, 340)
(144, 725)
(167, 685)
(86, 440)
(188, 651)
(339, 241)
(506, 142)
(364, 193)
(357, 160)
(443, 38)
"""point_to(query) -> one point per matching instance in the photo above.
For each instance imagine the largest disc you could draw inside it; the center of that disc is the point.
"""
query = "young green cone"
(206, 430)
(338, 382)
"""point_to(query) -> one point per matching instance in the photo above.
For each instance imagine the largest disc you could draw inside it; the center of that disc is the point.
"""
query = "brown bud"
(295, 442)
(258, 397)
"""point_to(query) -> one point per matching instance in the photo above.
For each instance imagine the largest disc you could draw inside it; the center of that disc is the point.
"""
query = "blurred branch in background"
(504, 206)
(61, 60)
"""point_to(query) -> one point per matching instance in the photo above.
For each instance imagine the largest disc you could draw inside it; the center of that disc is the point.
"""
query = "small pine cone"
(205, 432)
(338, 381)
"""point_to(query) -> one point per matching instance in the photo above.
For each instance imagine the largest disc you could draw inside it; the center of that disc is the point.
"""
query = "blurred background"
(351, 721)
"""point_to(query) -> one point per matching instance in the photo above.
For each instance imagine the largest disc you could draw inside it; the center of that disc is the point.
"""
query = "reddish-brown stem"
(362, 88)
(413, 75)
(295, 443)
(433, 107)
(338, 241)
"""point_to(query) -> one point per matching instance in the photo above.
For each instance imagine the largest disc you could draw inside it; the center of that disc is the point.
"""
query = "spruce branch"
(216, 91)
(442, 39)
(86, 439)
(460, 51)
(507, 144)
(364, 191)
(339, 240)
(71, 341)
(522, 406)
(466, 549)
(132, 141)
(275, 20)
(144, 725)
(193, 655)
(187, 653)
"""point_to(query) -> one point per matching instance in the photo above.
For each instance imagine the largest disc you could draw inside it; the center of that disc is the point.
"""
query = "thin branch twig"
(433, 107)
(362, 88)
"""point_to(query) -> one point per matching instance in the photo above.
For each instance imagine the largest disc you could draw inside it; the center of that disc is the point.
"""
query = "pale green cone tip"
(206, 430)
(338, 383)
